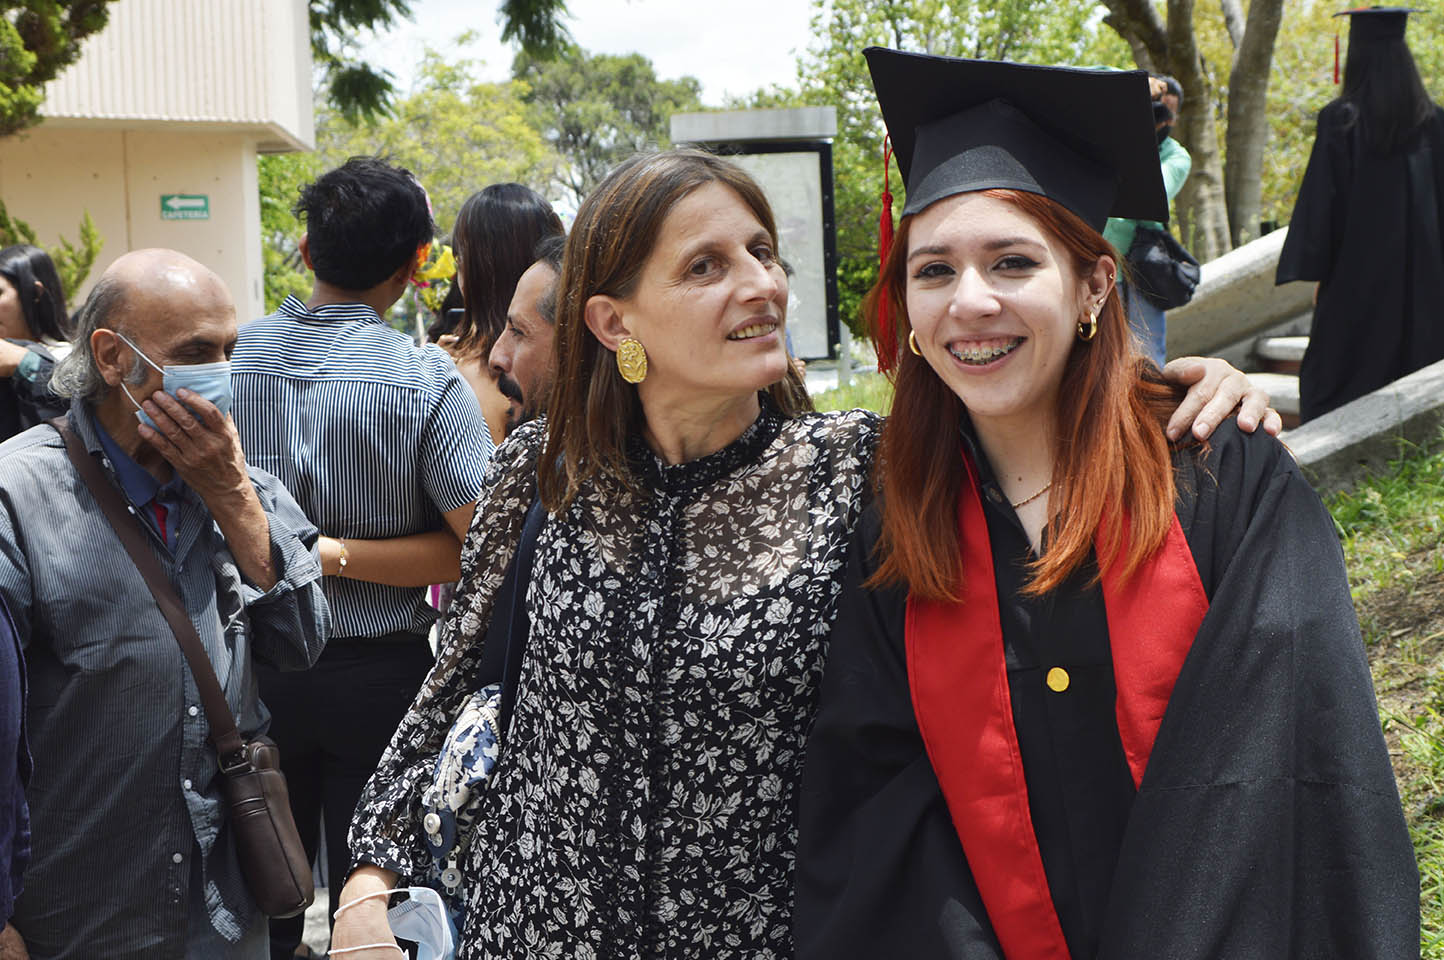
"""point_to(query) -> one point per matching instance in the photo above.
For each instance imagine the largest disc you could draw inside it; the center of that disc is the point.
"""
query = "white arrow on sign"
(184, 203)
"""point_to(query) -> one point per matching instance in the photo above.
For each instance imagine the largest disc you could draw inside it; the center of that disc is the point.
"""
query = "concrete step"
(1283, 391)
(1281, 349)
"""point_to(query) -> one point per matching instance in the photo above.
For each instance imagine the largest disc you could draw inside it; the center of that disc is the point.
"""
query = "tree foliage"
(39, 38)
(72, 260)
(598, 109)
(833, 72)
(1177, 42)
(281, 177)
(454, 132)
(360, 91)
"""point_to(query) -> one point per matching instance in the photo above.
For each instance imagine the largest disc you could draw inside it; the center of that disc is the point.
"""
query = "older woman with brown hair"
(1090, 694)
(685, 582)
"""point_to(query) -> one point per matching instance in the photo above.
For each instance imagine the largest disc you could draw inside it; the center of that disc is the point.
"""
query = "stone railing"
(1361, 437)
(1236, 300)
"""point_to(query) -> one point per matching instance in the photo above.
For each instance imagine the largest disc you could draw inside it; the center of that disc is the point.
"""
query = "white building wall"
(51, 177)
(172, 97)
(238, 63)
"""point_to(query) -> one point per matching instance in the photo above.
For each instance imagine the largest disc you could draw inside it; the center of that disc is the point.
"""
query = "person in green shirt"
(1146, 319)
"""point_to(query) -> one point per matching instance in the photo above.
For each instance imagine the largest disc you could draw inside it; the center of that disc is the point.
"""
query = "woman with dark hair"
(1090, 694)
(496, 232)
(1368, 222)
(687, 564)
(33, 322)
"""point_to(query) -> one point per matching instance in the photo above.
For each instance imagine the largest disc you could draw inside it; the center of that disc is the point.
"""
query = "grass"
(1392, 528)
(871, 391)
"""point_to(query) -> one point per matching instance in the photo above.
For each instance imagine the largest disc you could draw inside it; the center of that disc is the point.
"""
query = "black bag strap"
(224, 736)
(504, 649)
(520, 628)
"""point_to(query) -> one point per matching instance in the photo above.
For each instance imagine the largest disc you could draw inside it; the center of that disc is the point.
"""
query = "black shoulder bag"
(1160, 269)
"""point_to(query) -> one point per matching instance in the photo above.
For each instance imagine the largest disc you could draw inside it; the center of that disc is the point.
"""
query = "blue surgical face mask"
(209, 380)
(423, 920)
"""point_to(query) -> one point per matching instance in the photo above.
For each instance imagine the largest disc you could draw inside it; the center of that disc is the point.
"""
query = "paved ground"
(317, 936)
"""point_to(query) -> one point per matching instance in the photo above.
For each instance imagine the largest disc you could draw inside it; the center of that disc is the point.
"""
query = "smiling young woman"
(1107, 409)
(1090, 694)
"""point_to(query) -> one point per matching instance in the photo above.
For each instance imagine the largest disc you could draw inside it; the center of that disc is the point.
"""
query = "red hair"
(1111, 462)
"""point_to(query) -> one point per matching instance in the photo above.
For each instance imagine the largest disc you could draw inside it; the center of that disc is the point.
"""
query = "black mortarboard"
(1084, 138)
(1372, 24)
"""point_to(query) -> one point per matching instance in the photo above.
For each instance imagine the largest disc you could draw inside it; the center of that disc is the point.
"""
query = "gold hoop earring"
(632, 360)
(913, 343)
(1089, 330)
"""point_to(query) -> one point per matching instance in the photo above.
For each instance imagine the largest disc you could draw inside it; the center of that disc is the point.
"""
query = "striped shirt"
(373, 436)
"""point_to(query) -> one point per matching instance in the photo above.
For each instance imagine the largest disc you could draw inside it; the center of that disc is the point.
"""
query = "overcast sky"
(732, 46)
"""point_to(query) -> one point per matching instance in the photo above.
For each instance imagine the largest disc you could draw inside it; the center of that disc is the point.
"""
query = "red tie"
(160, 514)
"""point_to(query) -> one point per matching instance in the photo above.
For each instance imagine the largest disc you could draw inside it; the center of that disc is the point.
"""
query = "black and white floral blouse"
(644, 803)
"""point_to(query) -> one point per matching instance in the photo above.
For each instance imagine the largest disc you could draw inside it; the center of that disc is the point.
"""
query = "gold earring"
(632, 360)
(913, 343)
(1089, 330)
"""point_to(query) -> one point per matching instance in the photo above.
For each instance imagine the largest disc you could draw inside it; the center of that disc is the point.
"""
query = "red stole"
(959, 681)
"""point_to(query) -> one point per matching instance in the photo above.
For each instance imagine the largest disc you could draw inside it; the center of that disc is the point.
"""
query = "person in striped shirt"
(383, 445)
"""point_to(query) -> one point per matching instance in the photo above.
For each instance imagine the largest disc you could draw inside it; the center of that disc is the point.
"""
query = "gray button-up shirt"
(126, 788)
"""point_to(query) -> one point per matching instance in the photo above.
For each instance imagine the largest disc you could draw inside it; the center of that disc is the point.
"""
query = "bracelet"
(367, 946)
(345, 558)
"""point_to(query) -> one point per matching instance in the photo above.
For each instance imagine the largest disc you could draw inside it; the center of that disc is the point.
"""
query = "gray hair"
(76, 375)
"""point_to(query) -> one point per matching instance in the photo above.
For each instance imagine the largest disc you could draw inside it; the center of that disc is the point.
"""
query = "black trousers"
(332, 722)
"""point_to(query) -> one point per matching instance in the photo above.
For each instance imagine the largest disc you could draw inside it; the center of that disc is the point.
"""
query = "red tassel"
(886, 332)
(1336, 59)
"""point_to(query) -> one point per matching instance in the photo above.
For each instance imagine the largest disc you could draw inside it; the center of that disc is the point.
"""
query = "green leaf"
(38, 39)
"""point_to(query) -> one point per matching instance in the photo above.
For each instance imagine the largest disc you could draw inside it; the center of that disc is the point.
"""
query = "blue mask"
(209, 380)
(423, 920)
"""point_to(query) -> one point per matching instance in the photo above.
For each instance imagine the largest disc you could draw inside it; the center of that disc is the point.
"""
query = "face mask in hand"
(423, 920)
(209, 380)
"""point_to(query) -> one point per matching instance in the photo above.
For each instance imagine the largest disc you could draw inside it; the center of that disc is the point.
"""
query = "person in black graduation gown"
(1021, 751)
(1368, 222)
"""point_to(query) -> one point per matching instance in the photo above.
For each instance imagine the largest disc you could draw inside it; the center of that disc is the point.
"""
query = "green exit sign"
(185, 206)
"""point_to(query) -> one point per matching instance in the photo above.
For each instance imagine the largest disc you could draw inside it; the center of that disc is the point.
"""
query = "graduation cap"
(1084, 138)
(1372, 24)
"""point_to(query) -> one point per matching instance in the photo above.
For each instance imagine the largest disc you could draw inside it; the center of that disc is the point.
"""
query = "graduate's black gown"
(1267, 825)
(1368, 228)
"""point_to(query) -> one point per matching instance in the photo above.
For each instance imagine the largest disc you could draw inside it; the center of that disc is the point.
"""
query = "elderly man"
(524, 355)
(132, 853)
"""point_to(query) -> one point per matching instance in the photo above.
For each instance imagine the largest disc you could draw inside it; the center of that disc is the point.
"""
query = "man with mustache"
(523, 357)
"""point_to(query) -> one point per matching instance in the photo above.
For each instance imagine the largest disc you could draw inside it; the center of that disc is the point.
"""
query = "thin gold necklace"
(1027, 500)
